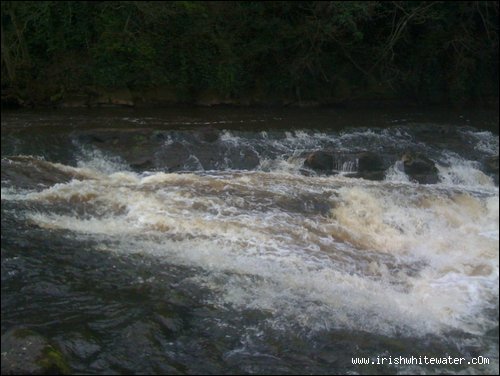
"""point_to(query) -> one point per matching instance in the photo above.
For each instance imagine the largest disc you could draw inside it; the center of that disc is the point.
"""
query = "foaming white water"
(304, 140)
(484, 141)
(396, 173)
(94, 159)
(14, 194)
(292, 164)
(389, 257)
(465, 173)
(228, 137)
(444, 233)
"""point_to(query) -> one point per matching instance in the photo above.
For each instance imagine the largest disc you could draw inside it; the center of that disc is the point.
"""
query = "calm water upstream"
(138, 262)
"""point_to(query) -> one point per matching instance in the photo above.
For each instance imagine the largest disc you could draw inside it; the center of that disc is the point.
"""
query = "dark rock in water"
(319, 161)
(420, 168)
(208, 134)
(491, 164)
(370, 166)
(415, 164)
(369, 162)
(367, 165)
(25, 352)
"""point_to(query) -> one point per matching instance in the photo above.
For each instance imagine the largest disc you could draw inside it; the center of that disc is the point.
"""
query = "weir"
(225, 234)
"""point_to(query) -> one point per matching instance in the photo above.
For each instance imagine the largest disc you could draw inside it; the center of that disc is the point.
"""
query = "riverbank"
(99, 97)
(95, 97)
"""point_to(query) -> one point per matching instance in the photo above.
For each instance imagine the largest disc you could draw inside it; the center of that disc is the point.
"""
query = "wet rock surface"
(25, 352)
(367, 165)
(420, 168)
(370, 166)
(319, 161)
(373, 166)
(175, 156)
(208, 134)
(490, 166)
(369, 162)
(147, 149)
(208, 147)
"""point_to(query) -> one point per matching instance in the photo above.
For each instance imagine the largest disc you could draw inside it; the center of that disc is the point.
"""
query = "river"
(240, 260)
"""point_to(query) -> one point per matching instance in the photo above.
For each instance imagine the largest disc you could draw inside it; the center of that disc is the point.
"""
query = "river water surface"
(271, 269)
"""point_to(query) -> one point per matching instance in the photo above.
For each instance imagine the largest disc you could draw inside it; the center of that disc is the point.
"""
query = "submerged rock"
(178, 156)
(208, 134)
(490, 166)
(173, 157)
(25, 352)
(420, 168)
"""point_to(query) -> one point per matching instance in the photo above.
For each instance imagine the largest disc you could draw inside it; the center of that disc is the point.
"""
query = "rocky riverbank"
(98, 97)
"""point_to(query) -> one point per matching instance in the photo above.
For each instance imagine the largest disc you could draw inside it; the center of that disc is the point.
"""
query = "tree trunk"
(7, 59)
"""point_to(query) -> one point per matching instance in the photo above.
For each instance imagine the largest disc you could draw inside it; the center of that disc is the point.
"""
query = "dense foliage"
(439, 51)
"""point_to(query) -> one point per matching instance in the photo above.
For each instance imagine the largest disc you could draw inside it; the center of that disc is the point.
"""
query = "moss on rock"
(26, 352)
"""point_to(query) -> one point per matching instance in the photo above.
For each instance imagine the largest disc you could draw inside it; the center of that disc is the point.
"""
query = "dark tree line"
(431, 51)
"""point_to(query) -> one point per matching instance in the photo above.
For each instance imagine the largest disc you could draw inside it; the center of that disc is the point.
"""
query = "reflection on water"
(250, 270)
